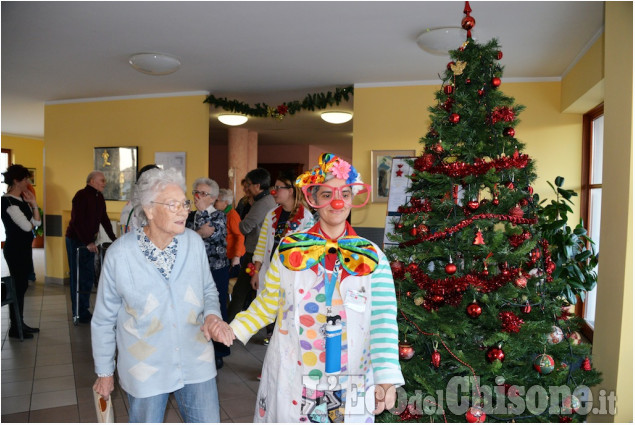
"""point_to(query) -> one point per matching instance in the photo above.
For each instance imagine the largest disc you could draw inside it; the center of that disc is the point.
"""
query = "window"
(5, 161)
(591, 198)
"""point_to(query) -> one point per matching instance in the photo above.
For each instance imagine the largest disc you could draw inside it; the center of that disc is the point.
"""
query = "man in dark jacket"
(88, 212)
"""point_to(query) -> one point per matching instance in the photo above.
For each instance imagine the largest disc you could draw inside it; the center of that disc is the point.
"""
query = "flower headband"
(329, 163)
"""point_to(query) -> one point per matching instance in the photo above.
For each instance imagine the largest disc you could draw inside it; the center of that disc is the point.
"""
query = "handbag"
(103, 408)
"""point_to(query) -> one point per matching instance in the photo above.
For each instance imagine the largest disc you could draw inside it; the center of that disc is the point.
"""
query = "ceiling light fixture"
(232, 119)
(336, 117)
(154, 63)
(438, 41)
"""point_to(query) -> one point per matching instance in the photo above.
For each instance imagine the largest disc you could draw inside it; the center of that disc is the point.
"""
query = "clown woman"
(333, 295)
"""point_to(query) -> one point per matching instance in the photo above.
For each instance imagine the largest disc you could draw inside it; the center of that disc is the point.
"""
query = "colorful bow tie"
(301, 251)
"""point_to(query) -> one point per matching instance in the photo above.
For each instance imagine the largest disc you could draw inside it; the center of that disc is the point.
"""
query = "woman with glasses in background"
(211, 225)
(157, 308)
(289, 216)
(332, 292)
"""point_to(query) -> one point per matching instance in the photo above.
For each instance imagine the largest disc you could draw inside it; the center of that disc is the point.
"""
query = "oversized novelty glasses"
(175, 206)
(355, 195)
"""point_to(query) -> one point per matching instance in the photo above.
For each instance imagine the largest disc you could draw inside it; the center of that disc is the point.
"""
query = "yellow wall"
(613, 337)
(397, 117)
(30, 153)
(583, 86)
(72, 130)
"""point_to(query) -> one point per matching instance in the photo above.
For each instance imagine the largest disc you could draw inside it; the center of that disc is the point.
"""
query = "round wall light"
(232, 119)
(336, 117)
(155, 63)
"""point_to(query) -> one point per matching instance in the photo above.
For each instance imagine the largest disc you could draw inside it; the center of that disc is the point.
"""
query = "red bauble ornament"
(574, 338)
(475, 415)
(496, 82)
(473, 204)
(437, 298)
(524, 202)
(412, 268)
(399, 225)
(495, 353)
(495, 201)
(499, 55)
(448, 89)
(510, 185)
(521, 281)
(435, 359)
(413, 231)
(454, 118)
(396, 267)
(422, 228)
(474, 310)
(586, 364)
(449, 65)
(481, 92)
(516, 211)
(509, 131)
(544, 364)
(438, 148)
(450, 268)
(468, 23)
(530, 190)
(406, 352)
(571, 404)
(468, 81)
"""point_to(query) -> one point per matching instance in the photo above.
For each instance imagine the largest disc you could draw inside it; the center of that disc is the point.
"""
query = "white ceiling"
(264, 51)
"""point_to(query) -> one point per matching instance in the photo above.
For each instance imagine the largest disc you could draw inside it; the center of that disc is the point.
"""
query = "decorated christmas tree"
(485, 333)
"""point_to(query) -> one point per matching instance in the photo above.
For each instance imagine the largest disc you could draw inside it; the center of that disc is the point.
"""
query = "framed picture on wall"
(381, 168)
(32, 176)
(119, 165)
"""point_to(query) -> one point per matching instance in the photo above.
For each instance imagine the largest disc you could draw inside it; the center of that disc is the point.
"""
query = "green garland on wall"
(311, 102)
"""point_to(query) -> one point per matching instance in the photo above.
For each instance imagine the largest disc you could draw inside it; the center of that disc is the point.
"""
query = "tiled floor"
(49, 378)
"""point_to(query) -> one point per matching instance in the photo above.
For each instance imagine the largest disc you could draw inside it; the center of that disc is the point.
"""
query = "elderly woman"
(157, 308)
(211, 225)
(334, 298)
(235, 238)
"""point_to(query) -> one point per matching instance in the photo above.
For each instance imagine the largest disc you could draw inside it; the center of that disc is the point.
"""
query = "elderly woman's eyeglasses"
(281, 187)
(200, 193)
(175, 206)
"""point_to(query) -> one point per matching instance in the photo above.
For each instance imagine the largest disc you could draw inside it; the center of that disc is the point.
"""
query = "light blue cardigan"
(154, 323)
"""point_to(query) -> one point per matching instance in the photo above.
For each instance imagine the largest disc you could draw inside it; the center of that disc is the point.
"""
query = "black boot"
(26, 328)
(13, 333)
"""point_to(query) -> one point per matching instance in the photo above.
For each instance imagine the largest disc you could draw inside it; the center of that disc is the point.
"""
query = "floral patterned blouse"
(163, 260)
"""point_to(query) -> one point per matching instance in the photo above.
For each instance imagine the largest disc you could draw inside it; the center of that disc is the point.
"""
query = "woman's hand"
(215, 328)
(29, 198)
(104, 386)
(254, 281)
(206, 230)
(385, 397)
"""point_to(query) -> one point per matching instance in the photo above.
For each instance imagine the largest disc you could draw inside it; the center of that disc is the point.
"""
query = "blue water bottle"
(333, 347)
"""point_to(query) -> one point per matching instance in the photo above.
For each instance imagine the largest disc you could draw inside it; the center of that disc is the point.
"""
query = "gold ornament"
(418, 300)
(458, 67)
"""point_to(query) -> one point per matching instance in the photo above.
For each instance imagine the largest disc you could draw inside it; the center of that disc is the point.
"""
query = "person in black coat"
(20, 214)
